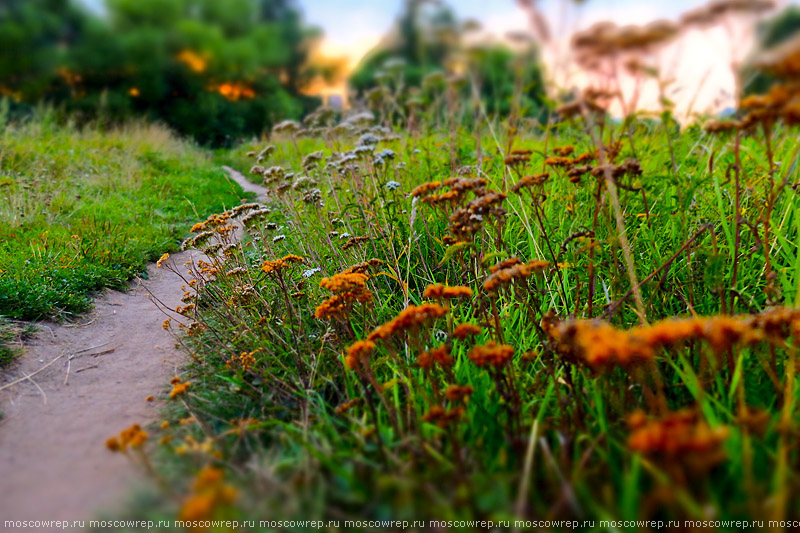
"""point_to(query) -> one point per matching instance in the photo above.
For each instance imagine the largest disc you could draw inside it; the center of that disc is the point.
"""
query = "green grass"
(11, 335)
(301, 458)
(85, 209)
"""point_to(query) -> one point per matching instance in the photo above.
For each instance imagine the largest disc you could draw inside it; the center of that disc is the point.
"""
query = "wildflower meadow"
(581, 318)
(428, 311)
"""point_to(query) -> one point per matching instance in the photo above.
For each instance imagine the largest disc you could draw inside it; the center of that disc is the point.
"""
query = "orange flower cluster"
(451, 197)
(510, 270)
(558, 161)
(465, 184)
(574, 174)
(346, 406)
(354, 242)
(239, 209)
(601, 345)
(517, 159)
(409, 319)
(217, 219)
(504, 264)
(345, 282)
(564, 151)
(178, 388)
(443, 292)
(679, 436)
(465, 329)
(491, 353)
(468, 220)
(361, 268)
(276, 265)
(440, 356)
(246, 360)
(457, 393)
(348, 288)
(584, 158)
(357, 353)
(458, 188)
(484, 203)
(530, 181)
(426, 188)
(134, 437)
(721, 126)
(209, 493)
(441, 417)
(782, 101)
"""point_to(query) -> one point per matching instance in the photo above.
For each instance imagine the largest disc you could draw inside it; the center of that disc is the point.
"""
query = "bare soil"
(99, 372)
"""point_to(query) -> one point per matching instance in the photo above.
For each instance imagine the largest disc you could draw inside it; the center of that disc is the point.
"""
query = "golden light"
(194, 61)
(234, 91)
(69, 77)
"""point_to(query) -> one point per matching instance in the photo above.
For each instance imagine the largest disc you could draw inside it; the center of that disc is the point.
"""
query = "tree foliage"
(428, 39)
(213, 70)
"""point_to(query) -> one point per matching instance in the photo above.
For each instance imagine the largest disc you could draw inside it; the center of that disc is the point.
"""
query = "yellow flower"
(178, 389)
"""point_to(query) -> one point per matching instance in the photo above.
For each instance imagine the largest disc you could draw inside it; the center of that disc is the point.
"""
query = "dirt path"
(53, 461)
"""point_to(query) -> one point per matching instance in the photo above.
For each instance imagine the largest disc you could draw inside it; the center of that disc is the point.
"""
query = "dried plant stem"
(626, 247)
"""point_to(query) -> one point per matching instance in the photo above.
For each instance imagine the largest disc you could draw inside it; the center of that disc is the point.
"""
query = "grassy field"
(85, 209)
(585, 320)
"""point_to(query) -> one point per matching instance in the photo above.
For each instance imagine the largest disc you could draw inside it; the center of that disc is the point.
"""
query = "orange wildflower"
(457, 393)
(680, 436)
(276, 265)
(357, 353)
(440, 292)
(530, 181)
(491, 353)
(161, 260)
(409, 319)
(440, 356)
(465, 329)
(354, 241)
(133, 437)
(346, 406)
(426, 188)
(178, 389)
(348, 288)
(502, 277)
(209, 494)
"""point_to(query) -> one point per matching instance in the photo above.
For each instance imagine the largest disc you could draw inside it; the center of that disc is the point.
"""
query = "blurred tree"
(428, 39)
(214, 70)
(423, 39)
(502, 75)
(35, 36)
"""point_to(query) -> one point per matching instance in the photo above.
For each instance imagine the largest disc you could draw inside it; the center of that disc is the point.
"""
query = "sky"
(352, 27)
(699, 62)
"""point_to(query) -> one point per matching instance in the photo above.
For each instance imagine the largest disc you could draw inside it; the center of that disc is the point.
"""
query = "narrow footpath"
(76, 385)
